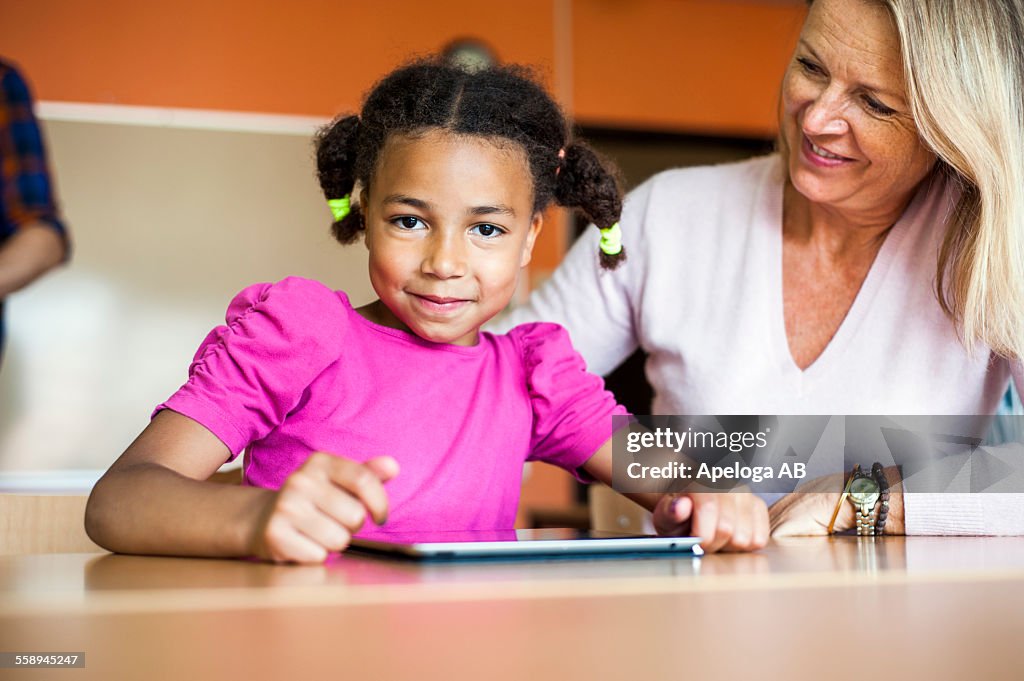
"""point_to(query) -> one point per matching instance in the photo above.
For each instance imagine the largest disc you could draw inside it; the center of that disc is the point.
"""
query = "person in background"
(874, 265)
(33, 239)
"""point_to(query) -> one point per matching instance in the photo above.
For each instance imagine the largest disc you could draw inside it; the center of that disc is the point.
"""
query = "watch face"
(864, 491)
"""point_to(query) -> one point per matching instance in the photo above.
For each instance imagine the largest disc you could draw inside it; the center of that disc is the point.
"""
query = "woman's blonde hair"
(964, 68)
(963, 63)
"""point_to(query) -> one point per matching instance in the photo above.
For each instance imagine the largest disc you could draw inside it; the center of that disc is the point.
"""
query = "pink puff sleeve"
(247, 375)
(572, 412)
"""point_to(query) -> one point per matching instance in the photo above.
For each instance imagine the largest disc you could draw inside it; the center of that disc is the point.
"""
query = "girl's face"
(852, 141)
(449, 226)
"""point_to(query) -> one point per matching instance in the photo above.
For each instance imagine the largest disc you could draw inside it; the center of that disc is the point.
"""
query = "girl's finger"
(284, 543)
(362, 483)
(341, 507)
(672, 514)
(705, 522)
(761, 527)
(321, 529)
(682, 509)
(744, 513)
(384, 467)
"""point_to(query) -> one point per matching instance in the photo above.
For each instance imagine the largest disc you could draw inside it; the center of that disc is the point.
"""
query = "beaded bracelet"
(878, 473)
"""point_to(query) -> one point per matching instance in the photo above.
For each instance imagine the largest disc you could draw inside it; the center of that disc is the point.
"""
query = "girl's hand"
(734, 521)
(320, 506)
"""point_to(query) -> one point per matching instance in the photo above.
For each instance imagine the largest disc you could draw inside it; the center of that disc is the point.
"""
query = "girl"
(333, 404)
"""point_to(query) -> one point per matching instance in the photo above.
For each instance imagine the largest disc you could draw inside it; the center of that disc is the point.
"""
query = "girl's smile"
(449, 226)
(439, 305)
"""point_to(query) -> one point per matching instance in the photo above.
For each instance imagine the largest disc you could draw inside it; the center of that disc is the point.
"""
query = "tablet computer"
(548, 542)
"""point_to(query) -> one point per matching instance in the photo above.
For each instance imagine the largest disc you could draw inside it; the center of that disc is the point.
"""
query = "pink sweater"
(297, 370)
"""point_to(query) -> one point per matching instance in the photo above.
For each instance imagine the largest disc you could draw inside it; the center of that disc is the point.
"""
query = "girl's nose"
(826, 115)
(445, 257)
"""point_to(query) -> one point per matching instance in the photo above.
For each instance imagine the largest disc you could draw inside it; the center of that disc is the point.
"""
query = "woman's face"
(852, 143)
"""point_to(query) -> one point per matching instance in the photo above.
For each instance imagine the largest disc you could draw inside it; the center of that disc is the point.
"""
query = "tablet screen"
(546, 541)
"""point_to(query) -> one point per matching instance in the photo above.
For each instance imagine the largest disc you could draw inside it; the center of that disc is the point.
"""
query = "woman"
(875, 265)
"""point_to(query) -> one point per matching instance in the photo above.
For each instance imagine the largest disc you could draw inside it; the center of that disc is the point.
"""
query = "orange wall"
(689, 65)
(312, 57)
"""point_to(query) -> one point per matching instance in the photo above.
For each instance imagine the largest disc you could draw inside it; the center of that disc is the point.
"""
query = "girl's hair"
(503, 103)
(963, 63)
(964, 68)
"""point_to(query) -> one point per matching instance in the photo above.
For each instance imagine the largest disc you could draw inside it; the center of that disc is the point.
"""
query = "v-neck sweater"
(701, 293)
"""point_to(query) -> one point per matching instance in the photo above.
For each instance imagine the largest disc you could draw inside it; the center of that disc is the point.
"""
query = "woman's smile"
(821, 157)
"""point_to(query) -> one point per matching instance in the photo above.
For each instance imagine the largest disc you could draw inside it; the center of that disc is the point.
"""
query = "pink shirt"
(297, 370)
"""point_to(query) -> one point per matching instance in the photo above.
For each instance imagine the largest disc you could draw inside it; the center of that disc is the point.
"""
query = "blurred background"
(179, 137)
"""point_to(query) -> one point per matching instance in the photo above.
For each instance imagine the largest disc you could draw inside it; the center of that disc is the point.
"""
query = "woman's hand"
(733, 521)
(320, 506)
(807, 511)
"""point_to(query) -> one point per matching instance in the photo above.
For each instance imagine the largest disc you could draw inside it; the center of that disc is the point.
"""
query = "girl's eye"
(489, 231)
(809, 66)
(877, 107)
(408, 222)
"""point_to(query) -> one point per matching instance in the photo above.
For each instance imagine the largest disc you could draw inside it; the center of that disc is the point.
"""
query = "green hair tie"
(340, 207)
(611, 240)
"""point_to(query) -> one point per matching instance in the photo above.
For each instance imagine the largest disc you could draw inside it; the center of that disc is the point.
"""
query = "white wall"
(167, 225)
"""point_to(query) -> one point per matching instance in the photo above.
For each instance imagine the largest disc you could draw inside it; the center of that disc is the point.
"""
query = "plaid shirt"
(26, 194)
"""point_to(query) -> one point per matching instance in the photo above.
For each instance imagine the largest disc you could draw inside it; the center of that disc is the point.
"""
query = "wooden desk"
(916, 608)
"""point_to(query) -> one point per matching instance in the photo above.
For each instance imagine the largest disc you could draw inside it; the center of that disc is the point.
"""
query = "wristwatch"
(869, 494)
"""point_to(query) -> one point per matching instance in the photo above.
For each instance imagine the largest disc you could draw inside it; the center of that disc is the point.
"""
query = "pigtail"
(588, 182)
(336, 146)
